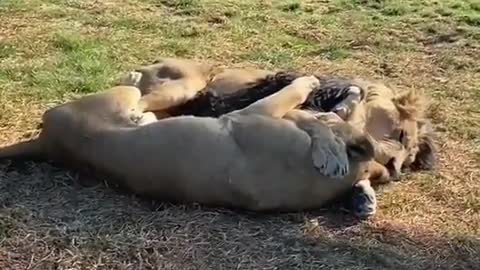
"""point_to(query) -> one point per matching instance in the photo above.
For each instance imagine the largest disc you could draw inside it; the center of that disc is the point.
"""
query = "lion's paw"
(363, 201)
(342, 111)
(142, 119)
(330, 159)
(133, 78)
(136, 118)
(147, 118)
(355, 91)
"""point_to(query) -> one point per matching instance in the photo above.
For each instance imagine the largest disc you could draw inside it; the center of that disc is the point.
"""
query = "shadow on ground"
(49, 221)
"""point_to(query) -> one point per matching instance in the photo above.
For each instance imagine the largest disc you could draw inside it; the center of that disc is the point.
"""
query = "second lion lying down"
(266, 156)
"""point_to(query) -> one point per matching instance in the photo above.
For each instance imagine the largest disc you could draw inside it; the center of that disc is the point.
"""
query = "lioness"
(266, 156)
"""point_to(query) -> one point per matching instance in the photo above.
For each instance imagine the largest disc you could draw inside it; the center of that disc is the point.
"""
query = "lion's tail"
(23, 150)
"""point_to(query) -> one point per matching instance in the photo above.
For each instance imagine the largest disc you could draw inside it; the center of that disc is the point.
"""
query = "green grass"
(334, 52)
(51, 50)
(12, 5)
(7, 50)
(82, 65)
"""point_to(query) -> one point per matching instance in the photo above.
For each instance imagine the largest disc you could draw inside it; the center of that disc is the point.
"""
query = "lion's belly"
(182, 159)
(277, 171)
(286, 184)
(294, 189)
(263, 166)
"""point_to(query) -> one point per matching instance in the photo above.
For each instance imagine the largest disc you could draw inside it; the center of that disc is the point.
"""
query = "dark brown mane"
(332, 91)
(206, 103)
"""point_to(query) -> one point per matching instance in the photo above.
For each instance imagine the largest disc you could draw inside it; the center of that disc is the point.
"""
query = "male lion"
(266, 156)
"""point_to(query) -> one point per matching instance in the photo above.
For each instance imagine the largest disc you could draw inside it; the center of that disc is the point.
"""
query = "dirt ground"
(54, 50)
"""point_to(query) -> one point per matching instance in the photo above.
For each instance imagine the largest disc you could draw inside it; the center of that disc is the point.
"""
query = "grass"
(83, 65)
(6, 50)
(52, 50)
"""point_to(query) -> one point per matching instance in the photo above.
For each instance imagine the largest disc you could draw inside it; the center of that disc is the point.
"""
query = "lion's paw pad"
(330, 160)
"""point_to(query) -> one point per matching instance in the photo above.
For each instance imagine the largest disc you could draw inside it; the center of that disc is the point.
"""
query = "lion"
(393, 121)
(267, 156)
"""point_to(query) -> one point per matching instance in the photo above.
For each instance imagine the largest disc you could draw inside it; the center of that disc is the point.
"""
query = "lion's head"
(414, 131)
(400, 117)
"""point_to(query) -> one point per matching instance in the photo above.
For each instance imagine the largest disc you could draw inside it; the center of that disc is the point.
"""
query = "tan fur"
(169, 82)
(386, 114)
(395, 124)
(250, 158)
(231, 80)
(389, 158)
(387, 153)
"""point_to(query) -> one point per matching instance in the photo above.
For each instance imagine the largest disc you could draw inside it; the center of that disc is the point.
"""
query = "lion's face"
(392, 154)
(415, 147)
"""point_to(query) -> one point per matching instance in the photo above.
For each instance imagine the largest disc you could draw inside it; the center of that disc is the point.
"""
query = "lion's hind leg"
(171, 93)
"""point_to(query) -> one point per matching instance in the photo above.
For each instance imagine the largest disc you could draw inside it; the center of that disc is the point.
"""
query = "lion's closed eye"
(401, 136)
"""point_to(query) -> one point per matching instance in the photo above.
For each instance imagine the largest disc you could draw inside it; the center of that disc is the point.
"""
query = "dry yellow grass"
(52, 50)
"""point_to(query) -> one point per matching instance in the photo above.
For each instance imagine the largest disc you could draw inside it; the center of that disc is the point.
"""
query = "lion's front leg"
(329, 153)
(168, 93)
(285, 100)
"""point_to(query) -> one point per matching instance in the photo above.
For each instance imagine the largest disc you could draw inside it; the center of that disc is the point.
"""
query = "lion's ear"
(410, 104)
(427, 155)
